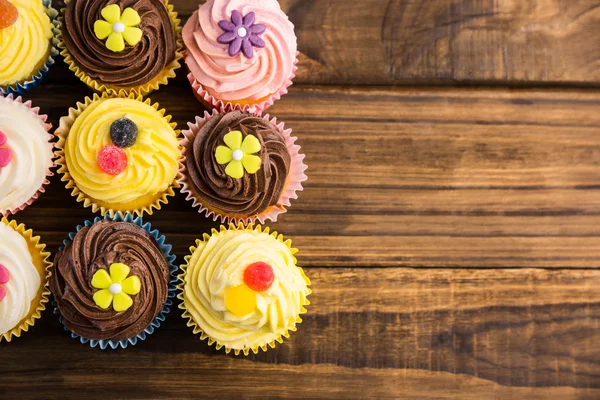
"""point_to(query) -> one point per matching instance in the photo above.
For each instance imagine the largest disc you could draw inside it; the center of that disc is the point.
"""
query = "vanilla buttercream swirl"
(219, 263)
(24, 283)
(28, 141)
(240, 78)
(152, 162)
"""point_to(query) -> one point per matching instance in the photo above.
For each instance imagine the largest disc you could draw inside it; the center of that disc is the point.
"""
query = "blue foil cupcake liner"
(22, 87)
(165, 249)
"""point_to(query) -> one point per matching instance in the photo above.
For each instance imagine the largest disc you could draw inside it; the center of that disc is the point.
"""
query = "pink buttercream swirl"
(240, 78)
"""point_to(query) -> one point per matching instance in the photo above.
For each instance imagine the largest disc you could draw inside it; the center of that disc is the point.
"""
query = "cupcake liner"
(42, 72)
(147, 204)
(162, 79)
(165, 249)
(257, 107)
(44, 267)
(196, 328)
(47, 126)
(293, 185)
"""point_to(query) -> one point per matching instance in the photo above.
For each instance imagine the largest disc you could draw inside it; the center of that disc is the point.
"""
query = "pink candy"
(4, 278)
(112, 160)
(5, 154)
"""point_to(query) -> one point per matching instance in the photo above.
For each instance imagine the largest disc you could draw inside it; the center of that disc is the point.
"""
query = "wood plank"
(397, 42)
(411, 177)
(369, 333)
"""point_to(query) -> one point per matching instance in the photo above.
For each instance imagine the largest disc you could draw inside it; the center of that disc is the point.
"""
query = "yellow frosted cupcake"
(242, 290)
(24, 271)
(26, 43)
(118, 154)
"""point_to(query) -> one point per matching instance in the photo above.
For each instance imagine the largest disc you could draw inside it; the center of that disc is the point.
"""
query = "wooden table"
(450, 223)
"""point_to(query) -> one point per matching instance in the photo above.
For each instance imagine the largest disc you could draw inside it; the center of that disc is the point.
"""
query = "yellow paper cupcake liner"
(145, 204)
(198, 330)
(162, 79)
(44, 267)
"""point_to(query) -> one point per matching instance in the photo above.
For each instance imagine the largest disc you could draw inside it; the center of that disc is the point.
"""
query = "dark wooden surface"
(452, 232)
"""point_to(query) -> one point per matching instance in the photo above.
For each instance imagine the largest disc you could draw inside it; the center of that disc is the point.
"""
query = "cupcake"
(24, 268)
(130, 45)
(242, 290)
(239, 166)
(113, 281)
(240, 54)
(27, 43)
(118, 154)
(25, 154)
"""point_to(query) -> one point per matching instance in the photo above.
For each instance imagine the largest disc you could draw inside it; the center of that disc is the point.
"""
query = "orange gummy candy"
(8, 14)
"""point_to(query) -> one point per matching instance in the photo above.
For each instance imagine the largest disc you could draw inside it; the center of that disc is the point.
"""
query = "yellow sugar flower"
(238, 155)
(117, 26)
(115, 288)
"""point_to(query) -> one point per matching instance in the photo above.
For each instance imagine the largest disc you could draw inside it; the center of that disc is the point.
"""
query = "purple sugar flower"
(241, 34)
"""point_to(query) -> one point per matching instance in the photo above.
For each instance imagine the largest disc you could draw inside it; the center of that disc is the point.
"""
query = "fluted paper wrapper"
(43, 118)
(161, 79)
(292, 187)
(145, 204)
(166, 251)
(258, 106)
(40, 259)
(198, 330)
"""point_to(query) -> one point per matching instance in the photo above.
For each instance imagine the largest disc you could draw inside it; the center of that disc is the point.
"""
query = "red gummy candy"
(8, 14)
(259, 276)
(112, 160)
(4, 275)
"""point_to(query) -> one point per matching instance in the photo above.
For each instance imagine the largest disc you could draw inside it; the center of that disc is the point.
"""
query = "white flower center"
(242, 32)
(118, 27)
(238, 155)
(115, 288)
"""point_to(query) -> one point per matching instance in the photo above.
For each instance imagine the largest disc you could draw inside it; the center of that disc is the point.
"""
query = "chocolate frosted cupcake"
(241, 167)
(121, 44)
(111, 282)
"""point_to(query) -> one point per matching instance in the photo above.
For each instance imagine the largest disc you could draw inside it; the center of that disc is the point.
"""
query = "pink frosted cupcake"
(25, 154)
(241, 167)
(240, 54)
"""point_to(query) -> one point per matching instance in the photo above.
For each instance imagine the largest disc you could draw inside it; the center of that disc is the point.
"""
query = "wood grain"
(369, 334)
(399, 42)
(411, 177)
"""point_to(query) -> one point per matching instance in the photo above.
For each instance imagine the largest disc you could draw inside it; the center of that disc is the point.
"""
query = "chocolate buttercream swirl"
(134, 66)
(98, 246)
(253, 193)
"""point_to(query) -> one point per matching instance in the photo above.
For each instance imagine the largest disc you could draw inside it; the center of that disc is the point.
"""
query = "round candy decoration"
(8, 14)
(259, 276)
(4, 278)
(112, 160)
(123, 132)
(5, 153)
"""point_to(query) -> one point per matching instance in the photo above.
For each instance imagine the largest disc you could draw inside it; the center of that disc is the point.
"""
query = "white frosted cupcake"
(24, 268)
(25, 154)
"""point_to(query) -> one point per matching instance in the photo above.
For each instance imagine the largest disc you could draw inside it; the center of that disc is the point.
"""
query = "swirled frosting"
(251, 194)
(25, 45)
(219, 263)
(27, 140)
(152, 160)
(133, 66)
(98, 246)
(240, 78)
(24, 283)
